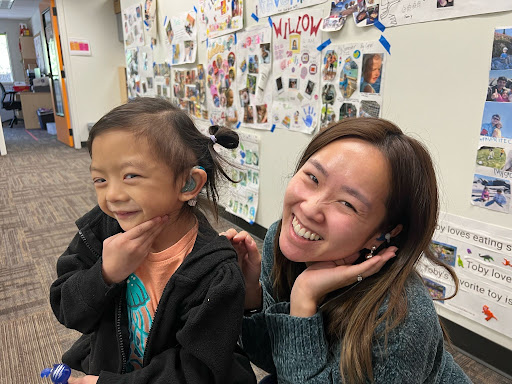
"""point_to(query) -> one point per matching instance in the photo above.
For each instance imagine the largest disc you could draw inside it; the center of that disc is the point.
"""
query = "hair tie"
(214, 139)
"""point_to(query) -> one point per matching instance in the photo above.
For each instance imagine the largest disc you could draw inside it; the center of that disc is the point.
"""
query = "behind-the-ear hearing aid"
(191, 183)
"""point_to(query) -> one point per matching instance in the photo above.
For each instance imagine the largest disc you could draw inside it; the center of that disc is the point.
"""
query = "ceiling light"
(6, 4)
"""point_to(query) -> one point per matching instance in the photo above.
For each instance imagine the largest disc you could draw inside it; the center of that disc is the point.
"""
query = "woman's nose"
(314, 208)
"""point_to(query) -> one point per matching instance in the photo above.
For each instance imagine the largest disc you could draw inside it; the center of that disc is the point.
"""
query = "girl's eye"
(347, 204)
(130, 176)
(313, 177)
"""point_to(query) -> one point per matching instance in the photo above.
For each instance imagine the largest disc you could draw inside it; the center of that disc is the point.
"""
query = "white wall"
(93, 85)
(12, 28)
(435, 83)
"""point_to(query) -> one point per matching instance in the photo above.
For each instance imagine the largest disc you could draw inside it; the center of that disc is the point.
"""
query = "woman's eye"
(313, 177)
(346, 203)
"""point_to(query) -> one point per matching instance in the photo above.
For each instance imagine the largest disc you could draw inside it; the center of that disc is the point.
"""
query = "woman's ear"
(396, 231)
(193, 185)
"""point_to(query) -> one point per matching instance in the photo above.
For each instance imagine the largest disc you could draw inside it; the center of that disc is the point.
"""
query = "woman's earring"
(370, 255)
(383, 237)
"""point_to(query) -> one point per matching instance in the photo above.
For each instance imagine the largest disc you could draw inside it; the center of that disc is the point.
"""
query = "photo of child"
(293, 83)
(371, 73)
(261, 112)
(444, 3)
(265, 53)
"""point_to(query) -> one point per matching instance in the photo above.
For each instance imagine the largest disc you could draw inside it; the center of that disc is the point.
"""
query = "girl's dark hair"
(173, 137)
(352, 315)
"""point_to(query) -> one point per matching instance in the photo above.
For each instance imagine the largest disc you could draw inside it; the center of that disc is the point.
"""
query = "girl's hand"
(83, 380)
(123, 253)
(249, 259)
(323, 277)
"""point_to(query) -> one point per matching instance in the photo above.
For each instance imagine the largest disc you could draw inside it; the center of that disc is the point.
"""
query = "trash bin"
(45, 116)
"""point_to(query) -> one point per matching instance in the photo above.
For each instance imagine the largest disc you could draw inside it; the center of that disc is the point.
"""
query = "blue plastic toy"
(59, 374)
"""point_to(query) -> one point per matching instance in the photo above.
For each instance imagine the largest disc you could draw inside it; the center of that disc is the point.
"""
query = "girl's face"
(374, 72)
(230, 98)
(337, 200)
(132, 186)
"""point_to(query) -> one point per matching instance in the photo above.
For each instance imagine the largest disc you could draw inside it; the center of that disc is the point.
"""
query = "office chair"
(8, 103)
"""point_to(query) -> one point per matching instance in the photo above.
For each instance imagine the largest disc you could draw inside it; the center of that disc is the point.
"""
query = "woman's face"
(337, 200)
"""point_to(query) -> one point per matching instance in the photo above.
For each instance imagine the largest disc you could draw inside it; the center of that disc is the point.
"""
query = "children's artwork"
(132, 73)
(145, 60)
(223, 17)
(271, 7)
(189, 91)
(181, 32)
(340, 10)
(481, 256)
(201, 21)
(253, 52)
(351, 81)
(220, 79)
(493, 164)
(401, 12)
(241, 199)
(150, 21)
(133, 30)
(161, 74)
(296, 71)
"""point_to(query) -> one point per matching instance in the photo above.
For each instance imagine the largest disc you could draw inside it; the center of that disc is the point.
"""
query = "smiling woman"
(336, 297)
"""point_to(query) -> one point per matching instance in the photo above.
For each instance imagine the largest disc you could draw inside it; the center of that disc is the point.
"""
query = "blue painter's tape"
(323, 45)
(273, 127)
(270, 22)
(195, 9)
(206, 42)
(238, 125)
(146, 23)
(255, 17)
(235, 38)
(165, 21)
(211, 121)
(385, 44)
(379, 25)
(251, 222)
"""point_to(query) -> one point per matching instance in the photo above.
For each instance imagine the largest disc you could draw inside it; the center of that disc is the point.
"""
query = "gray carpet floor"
(44, 187)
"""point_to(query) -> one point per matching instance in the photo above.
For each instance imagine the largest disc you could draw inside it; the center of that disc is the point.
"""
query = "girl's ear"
(193, 185)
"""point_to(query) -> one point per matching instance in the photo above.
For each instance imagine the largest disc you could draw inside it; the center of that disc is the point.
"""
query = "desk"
(30, 103)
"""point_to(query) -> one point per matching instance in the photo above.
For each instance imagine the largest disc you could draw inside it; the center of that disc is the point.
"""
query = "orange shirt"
(145, 288)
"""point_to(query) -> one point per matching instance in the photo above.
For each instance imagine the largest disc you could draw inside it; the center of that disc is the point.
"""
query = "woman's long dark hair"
(412, 202)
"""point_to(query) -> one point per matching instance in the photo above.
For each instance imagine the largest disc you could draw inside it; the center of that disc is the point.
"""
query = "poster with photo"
(272, 7)
(366, 12)
(340, 10)
(351, 81)
(133, 30)
(402, 12)
(223, 17)
(189, 91)
(493, 163)
(295, 72)
(221, 90)
(181, 33)
(145, 60)
(162, 74)
(253, 74)
(150, 27)
(481, 255)
(241, 199)
(132, 73)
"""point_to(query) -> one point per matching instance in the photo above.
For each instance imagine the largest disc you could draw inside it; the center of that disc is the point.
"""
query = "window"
(5, 62)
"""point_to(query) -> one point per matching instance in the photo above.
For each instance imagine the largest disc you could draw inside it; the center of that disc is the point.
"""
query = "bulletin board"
(435, 83)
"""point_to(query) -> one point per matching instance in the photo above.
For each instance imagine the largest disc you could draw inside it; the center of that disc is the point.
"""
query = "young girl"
(336, 297)
(157, 294)
(231, 113)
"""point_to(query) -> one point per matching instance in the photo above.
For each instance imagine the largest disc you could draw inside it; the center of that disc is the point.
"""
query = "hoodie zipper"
(118, 312)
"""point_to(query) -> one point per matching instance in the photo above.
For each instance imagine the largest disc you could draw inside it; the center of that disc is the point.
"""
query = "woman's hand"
(123, 253)
(83, 380)
(323, 277)
(249, 259)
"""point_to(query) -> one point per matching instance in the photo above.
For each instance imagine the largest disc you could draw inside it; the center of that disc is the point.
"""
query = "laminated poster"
(271, 7)
(493, 163)
(254, 58)
(133, 29)
(189, 91)
(351, 81)
(162, 74)
(223, 16)
(132, 73)
(401, 12)
(181, 33)
(481, 255)
(150, 21)
(296, 70)
(220, 81)
(241, 199)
